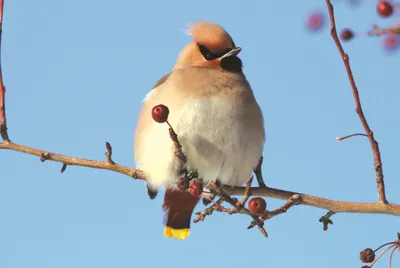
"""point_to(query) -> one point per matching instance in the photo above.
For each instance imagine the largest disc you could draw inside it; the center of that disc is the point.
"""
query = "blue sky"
(76, 74)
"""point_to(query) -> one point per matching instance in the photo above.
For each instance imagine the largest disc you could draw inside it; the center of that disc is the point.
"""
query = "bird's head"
(211, 47)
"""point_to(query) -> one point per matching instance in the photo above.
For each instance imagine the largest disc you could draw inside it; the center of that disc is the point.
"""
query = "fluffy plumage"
(213, 111)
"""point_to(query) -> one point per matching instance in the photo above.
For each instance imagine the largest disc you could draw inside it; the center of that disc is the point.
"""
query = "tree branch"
(3, 120)
(75, 161)
(308, 200)
(374, 144)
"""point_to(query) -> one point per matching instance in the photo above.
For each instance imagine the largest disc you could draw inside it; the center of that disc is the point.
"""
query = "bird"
(217, 119)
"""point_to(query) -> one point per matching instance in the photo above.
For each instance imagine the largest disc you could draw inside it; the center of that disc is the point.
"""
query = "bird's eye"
(207, 53)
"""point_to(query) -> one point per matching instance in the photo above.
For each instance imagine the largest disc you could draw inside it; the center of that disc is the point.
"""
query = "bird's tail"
(179, 206)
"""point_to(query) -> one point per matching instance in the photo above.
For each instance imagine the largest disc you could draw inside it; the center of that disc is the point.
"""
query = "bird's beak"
(232, 52)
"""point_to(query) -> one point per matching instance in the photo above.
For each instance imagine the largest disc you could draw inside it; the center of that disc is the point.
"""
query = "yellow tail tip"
(180, 234)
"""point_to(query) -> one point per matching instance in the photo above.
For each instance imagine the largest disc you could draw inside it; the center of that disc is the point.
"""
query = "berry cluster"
(316, 21)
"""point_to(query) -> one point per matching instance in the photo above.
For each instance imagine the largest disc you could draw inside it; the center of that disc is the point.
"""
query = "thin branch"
(178, 147)
(351, 135)
(293, 201)
(208, 211)
(247, 192)
(391, 257)
(3, 119)
(75, 161)
(374, 144)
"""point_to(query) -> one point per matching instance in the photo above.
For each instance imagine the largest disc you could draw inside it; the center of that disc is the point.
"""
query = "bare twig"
(178, 147)
(3, 119)
(391, 257)
(326, 219)
(351, 135)
(208, 211)
(293, 201)
(247, 192)
(359, 110)
(75, 161)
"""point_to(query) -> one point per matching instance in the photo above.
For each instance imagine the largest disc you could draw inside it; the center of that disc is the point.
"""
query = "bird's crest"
(211, 35)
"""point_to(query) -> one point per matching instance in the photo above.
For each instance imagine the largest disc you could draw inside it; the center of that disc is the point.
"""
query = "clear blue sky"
(76, 73)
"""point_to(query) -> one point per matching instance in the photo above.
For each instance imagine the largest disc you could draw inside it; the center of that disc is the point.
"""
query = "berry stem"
(391, 256)
(390, 243)
(178, 147)
(380, 255)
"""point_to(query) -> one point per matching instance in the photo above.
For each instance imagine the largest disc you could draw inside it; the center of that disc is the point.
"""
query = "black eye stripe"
(207, 54)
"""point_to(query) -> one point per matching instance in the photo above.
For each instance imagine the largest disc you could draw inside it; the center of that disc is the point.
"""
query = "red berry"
(257, 206)
(367, 255)
(385, 9)
(315, 21)
(160, 113)
(195, 189)
(346, 35)
(391, 42)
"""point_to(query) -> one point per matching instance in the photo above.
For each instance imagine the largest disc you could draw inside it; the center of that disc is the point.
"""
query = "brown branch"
(313, 201)
(75, 161)
(3, 120)
(178, 147)
(308, 200)
(374, 144)
(293, 201)
(208, 211)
